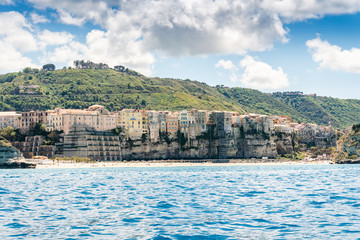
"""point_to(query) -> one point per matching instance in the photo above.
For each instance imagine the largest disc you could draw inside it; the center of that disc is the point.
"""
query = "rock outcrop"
(237, 144)
(10, 157)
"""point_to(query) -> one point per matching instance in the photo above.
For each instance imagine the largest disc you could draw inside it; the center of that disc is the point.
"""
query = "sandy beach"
(142, 164)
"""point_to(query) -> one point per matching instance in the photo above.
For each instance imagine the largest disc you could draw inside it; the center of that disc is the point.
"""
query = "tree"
(40, 129)
(27, 70)
(8, 133)
(49, 67)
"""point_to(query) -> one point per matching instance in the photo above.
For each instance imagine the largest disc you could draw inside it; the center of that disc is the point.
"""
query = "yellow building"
(134, 122)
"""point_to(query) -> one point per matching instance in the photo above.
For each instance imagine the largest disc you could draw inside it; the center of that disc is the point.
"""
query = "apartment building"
(172, 123)
(30, 119)
(10, 119)
(154, 125)
(201, 118)
(222, 121)
(95, 116)
(133, 122)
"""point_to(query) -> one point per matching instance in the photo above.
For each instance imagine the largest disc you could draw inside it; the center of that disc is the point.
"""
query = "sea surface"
(238, 202)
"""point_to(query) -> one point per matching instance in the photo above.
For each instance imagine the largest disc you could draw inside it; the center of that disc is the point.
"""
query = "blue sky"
(270, 45)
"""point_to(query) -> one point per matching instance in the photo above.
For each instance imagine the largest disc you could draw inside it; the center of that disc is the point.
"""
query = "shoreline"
(147, 164)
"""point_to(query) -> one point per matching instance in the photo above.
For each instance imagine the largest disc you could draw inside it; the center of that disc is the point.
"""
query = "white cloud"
(66, 18)
(15, 31)
(298, 10)
(12, 60)
(256, 74)
(333, 57)
(261, 75)
(55, 38)
(229, 66)
(77, 12)
(225, 64)
(38, 18)
(116, 49)
(134, 32)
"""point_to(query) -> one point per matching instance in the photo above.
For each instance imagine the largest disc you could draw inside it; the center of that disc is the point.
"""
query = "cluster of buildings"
(151, 124)
(306, 132)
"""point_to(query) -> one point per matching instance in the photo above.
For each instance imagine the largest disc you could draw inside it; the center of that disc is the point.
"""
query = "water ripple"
(242, 202)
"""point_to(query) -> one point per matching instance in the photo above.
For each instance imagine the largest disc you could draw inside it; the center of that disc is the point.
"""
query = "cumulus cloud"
(261, 75)
(226, 64)
(298, 10)
(55, 38)
(334, 57)
(178, 27)
(229, 66)
(16, 31)
(38, 18)
(77, 12)
(66, 18)
(134, 32)
(255, 74)
(11, 59)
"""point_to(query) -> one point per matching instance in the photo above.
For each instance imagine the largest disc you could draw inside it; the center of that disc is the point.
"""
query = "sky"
(311, 46)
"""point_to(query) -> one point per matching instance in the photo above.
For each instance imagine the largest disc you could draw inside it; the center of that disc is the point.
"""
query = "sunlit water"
(242, 202)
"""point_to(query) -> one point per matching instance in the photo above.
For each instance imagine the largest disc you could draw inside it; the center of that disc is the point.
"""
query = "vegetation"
(49, 67)
(90, 83)
(322, 110)
(74, 159)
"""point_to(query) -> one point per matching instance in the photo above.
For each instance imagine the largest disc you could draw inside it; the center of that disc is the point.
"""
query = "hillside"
(34, 89)
(321, 110)
(80, 88)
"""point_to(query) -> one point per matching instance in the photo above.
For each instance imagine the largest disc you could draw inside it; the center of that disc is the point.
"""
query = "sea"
(212, 202)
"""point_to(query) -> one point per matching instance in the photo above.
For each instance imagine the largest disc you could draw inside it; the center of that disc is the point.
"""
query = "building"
(281, 120)
(162, 120)
(235, 118)
(222, 122)
(187, 124)
(83, 141)
(172, 124)
(95, 116)
(10, 119)
(134, 122)
(30, 119)
(201, 117)
(154, 125)
(144, 121)
(33, 146)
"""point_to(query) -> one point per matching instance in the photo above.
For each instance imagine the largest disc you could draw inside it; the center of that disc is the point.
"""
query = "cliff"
(253, 140)
(348, 146)
(10, 156)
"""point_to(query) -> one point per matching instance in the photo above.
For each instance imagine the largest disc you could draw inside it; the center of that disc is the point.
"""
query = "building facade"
(10, 119)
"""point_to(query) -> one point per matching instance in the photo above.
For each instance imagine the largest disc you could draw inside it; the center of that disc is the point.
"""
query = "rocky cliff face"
(8, 154)
(236, 144)
(348, 146)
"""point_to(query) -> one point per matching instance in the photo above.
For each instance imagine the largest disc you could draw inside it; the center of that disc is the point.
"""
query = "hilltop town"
(98, 134)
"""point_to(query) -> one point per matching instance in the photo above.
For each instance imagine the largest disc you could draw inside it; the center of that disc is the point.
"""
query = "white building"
(10, 119)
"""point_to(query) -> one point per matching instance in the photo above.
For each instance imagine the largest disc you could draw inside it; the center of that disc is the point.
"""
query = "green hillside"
(341, 112)
(34, 89)
(80, 88)
(254, 101)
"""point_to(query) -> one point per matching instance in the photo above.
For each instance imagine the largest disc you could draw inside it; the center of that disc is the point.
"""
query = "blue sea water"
(239, 202)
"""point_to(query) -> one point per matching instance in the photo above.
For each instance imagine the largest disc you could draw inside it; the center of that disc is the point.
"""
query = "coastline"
(163, 163)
